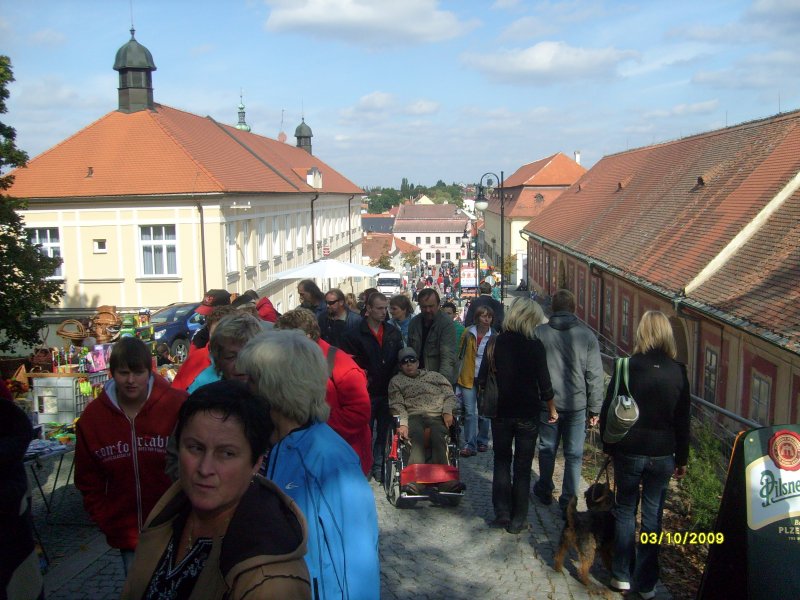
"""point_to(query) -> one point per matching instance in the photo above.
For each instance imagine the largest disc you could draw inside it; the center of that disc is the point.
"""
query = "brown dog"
(588, 531)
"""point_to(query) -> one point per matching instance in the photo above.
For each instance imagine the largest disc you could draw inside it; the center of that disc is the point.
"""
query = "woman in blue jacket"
(315, 466)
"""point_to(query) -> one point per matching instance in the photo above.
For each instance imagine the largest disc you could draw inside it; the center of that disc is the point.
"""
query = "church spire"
(242, 124)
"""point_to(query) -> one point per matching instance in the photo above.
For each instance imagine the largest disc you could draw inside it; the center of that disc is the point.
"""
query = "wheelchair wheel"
(391, 477)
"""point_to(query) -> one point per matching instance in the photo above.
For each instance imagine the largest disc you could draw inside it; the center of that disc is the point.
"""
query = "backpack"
(623, 412)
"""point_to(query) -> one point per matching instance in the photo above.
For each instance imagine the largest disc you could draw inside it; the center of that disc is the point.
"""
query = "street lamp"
(481, 204)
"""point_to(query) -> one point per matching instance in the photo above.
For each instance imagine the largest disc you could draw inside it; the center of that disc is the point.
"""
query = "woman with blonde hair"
(655, 448)
(524, 386)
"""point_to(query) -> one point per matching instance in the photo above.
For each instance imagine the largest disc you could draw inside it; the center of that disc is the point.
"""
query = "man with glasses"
(431, 334)
(422, 399)
(374, 345)
(338, 319)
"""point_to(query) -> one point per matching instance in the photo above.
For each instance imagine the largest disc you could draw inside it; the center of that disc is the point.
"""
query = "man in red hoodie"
(121, 446)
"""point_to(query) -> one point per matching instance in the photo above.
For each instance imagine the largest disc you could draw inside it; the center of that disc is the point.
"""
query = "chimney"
(578, 156)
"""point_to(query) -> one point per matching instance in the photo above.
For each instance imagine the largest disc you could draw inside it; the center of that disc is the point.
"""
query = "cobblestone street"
(426, 551)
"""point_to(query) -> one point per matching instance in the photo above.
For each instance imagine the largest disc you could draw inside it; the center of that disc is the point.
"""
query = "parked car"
(175, 325)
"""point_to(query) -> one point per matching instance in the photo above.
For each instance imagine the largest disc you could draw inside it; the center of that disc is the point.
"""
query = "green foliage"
(25, 291)
(702, 486)
(382, 199)
(384, 261)
(411, 258)
(509, 262)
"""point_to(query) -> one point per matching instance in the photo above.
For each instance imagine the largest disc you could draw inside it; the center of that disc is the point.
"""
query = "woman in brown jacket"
(221, 531)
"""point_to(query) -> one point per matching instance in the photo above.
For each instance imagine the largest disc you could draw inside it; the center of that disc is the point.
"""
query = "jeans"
(510, 498)
(379, 420)
(127, 560)
(476, 429)
(571, 429)
(632, 561)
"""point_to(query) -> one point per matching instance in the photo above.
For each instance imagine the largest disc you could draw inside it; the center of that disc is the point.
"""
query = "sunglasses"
(331, 302)
(407, 361)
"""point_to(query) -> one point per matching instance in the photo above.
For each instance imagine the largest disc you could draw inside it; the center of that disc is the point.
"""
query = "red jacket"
(119, 463)
(350, 405)
(197, 361)
(266, 310)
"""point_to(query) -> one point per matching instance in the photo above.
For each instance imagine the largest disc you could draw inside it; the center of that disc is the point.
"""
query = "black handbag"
(488, 395)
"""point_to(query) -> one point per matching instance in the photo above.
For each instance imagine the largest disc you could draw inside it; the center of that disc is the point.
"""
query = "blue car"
(175, 325)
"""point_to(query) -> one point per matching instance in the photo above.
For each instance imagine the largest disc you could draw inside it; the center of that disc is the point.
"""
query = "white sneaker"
(620, 586)
(648, 595)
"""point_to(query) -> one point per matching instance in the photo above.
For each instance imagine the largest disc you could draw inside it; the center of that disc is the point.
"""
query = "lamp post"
(481, 204)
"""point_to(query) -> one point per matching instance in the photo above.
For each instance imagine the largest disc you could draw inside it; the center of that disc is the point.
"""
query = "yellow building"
(151, 205)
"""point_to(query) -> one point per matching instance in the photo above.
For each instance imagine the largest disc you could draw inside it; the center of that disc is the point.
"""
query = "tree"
(411, 258)
(384, 261)
(25, 291)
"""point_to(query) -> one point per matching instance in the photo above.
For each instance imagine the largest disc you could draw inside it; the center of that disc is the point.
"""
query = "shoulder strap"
(625, 375)
(463, 348)
(617, 376)
(489, 353)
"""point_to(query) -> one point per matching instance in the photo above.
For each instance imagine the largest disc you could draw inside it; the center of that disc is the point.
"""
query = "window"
(418, 240)
(50, 242)
(447, 240)
(309, 231)
(231, 263)
(626, 316)
(710, 376)
(458, 239)
(607, 315)
(246, 243)
(428, 256)
(262, 239)
(100, 247)
(759, 399)
(288, 229)
(276, 240)
(438, 240)
(447, 255)
(428, 240)
(581, 288)
(593, 303)
(159, 250)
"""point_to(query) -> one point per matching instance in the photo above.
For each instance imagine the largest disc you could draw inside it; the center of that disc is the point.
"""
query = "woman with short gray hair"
(315, 466)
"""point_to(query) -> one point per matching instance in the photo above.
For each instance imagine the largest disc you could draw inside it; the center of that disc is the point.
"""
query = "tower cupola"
(135, 65)
(304, 135)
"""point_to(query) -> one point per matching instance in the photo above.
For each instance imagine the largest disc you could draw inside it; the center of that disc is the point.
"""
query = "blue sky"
(422, 89)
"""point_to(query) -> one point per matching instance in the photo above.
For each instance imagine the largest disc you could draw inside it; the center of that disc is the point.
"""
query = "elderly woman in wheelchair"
(422, 446)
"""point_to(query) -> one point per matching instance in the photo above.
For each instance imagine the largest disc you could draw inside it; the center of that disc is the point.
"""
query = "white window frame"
(231, 262)
(263, 240)
(246, 253)
(165, 243)
(50, 245)
(287, 232)
(276, 237)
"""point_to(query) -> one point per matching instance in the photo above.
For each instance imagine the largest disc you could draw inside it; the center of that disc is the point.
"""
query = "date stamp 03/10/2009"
(678, 538)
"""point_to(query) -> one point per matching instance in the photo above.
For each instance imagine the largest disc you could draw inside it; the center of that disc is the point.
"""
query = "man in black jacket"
(485, 299)
(374, 346)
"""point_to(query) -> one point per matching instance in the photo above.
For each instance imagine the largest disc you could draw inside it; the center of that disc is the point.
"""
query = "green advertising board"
(759, 517)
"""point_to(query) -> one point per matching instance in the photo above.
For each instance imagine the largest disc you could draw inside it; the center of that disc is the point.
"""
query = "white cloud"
(368, 22)
(422, 107)
(683, 110)
(548, 62)
(773, 70)
(526, 28)
(375, 106)
(47, 37)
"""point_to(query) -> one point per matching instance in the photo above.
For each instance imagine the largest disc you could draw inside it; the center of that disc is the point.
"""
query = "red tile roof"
(429, 211)
(662, 213)
(168, 151)
(430, 218)
(555, 170)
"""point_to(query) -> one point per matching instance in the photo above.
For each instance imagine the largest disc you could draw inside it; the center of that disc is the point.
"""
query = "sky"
(421, 89)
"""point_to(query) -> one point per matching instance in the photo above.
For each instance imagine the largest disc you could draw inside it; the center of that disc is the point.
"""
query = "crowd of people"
(248, 475)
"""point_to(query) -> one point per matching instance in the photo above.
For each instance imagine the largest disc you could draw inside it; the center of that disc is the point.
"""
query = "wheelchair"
(439, 484)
